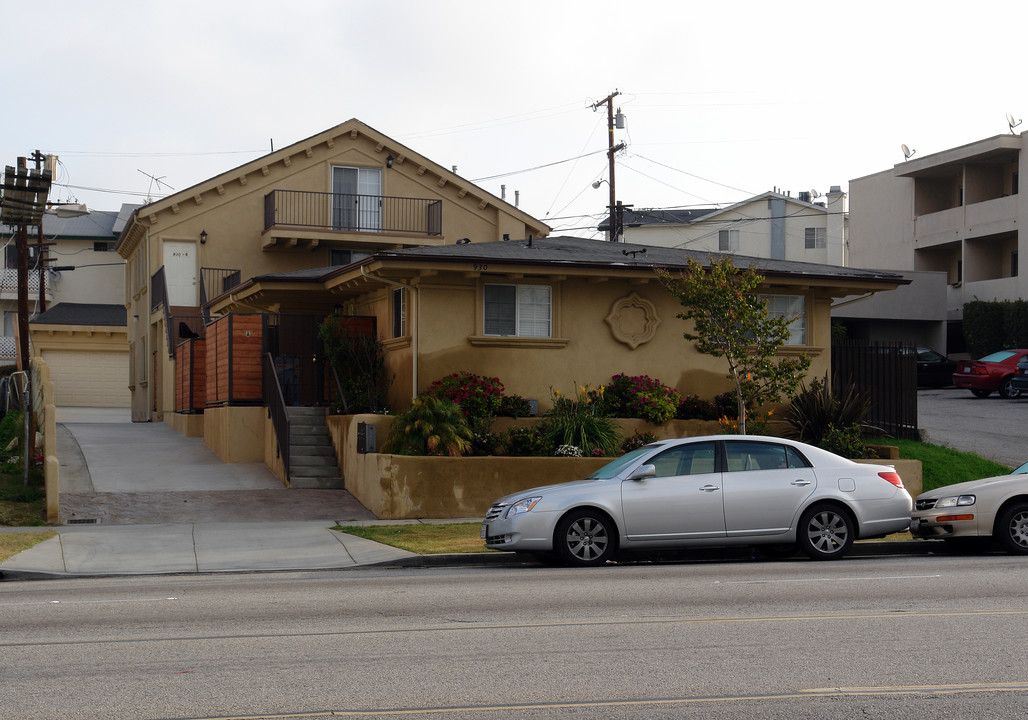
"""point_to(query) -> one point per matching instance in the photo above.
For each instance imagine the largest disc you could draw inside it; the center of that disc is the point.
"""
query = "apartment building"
(956, 212)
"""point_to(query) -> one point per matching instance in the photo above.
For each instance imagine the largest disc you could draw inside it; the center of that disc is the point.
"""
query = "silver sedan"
(711, 491)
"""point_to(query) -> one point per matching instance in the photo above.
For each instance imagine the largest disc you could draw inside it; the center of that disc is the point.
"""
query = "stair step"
(315, 483)
(312, 462)
(312, 450)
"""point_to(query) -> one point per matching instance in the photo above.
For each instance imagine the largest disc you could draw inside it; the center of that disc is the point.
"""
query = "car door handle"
(800, 483)
(710, 488)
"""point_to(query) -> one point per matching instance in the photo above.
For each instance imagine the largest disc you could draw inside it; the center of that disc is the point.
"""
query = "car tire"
(1007, 389)
(585, 537)
(826, 532)
(981, 393)
(1012, 529)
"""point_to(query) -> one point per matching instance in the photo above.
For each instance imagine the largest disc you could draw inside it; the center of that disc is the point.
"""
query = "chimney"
(835, 232)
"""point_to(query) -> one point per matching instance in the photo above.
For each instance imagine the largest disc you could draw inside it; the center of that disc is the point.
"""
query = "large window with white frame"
(794, 309)
(814, 238)
(728, 240)
(517, 310)
(357, 198)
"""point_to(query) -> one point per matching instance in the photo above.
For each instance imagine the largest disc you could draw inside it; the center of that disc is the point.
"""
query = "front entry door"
(180, 273)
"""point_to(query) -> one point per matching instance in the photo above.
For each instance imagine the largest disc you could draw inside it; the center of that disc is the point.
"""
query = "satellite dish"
(907, 152)
(1012, 123)
(815, 194)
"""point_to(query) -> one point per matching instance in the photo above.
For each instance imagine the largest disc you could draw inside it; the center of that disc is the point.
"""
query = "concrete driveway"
(992, 427)
(115, 472)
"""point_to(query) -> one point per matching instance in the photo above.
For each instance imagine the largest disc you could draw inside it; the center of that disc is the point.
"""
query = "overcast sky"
(723, 100)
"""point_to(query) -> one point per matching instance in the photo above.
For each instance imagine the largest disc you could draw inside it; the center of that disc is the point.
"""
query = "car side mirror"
(643, 472)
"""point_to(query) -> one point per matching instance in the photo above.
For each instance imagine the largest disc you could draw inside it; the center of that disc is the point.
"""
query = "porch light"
(203, 237)
(389, 161)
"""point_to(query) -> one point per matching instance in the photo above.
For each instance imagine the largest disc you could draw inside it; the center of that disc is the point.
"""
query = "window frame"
(520, 305)
(815, 238)
(732, 244)
(801, 318)
(399, 312)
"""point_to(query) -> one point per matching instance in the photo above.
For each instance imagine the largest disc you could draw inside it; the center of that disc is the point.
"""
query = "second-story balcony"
(301, 215)
(9, 284)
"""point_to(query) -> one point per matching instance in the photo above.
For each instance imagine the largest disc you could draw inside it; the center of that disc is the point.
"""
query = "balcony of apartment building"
(298, 219)
(966, 192)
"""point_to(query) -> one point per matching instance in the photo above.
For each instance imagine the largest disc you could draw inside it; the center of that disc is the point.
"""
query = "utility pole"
(37, 157)
(611, 150)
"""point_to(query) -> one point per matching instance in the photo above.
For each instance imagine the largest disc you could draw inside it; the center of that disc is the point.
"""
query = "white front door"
(180, 272)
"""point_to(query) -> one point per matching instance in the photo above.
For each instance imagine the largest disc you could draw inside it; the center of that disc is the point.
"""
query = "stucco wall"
(235, 434)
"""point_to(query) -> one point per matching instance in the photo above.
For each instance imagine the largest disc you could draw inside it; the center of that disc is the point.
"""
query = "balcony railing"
(9, 281)
(352, 213)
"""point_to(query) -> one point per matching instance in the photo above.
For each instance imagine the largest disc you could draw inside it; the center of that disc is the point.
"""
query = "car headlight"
(522, 506)
(955, 501)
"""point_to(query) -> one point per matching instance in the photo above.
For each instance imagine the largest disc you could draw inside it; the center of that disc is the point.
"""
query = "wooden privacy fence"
(887, 373)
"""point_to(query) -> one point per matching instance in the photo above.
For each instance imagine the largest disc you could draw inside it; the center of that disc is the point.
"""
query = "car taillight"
(892, 477)
(979, 370)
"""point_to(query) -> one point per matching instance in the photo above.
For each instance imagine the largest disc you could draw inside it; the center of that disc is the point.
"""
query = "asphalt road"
(912, 637)
(992, 427)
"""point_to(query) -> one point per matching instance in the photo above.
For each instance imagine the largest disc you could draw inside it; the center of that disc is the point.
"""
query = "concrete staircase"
(312, 458)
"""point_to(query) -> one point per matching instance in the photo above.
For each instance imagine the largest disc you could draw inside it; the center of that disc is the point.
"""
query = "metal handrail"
(352, 212)
(277, 410)
(219, 281)
(339, 389)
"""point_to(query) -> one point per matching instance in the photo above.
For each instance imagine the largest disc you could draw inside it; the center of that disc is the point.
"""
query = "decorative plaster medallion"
(633, 320)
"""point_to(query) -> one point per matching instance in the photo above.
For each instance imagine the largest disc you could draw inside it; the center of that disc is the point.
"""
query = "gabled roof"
(659, 216)
(83, 314)
(219, 184)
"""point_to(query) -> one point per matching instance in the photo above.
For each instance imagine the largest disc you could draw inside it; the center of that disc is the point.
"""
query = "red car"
(990, 373)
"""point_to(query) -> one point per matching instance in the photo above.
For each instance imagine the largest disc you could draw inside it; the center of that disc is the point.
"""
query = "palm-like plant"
(430, 426)
(817, 410)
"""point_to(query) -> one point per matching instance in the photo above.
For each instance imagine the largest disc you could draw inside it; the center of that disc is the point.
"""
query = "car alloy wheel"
(586, 537)
(1013, 529)
(1007, 389)
(826, 532)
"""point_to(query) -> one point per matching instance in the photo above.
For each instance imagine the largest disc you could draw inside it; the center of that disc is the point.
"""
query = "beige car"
(995, 507)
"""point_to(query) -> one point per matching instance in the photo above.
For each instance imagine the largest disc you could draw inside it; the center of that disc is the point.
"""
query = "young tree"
(730, 321)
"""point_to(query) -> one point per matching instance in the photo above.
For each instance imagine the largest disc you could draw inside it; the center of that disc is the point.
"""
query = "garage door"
(89, 379)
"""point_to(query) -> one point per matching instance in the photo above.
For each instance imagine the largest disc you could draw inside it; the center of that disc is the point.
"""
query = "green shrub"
(693, 407)
(637, 440)
(847, 442)
(641, 397)
(526, 441)
(580, 421)
(359, 362)
(995, 325)
(514, 406)
(430, 426)
(475, 395)
(815, 410)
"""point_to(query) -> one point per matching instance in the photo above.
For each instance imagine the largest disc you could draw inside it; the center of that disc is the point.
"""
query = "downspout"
(416, 329)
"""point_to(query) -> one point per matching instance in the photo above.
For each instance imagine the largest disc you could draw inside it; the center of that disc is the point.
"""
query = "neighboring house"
(547, 314)
(771, 225)
(330, 200)
(81, 330)
(956, 212)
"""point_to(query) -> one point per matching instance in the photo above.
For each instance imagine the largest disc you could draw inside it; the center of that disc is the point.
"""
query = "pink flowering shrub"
(477, 397)
(642, 397)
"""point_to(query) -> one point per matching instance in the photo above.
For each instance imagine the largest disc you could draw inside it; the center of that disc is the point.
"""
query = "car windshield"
(1023, 470)
(997, 356)
(615, 466)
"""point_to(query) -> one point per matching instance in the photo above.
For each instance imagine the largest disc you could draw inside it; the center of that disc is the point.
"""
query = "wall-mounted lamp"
(389, 161)
(203, 237)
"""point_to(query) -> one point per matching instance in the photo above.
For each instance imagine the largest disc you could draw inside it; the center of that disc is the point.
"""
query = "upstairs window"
(517, 310)
(814, 238)
(345, 257)
(103, 246)
(728, 240)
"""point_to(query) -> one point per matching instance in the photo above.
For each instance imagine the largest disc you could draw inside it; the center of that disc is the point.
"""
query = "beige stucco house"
(328, 200)
(226, 283)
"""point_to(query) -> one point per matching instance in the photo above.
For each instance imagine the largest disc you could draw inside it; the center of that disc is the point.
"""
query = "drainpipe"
(416, 329)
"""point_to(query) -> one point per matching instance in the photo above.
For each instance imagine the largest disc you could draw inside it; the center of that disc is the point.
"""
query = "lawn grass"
(941, 466)
(424, 539)
(21, 506)
(13, 543)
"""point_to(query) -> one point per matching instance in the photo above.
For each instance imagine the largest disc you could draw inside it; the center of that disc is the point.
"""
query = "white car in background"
(995, 507)
(711, 491)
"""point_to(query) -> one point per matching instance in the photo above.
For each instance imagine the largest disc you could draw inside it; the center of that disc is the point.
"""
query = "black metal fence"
(887, 373)
(356, 213)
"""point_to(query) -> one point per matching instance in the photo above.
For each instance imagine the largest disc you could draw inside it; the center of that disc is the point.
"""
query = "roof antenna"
(155, 180)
